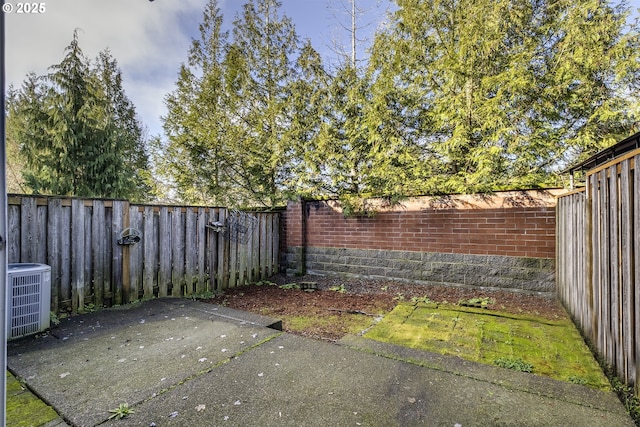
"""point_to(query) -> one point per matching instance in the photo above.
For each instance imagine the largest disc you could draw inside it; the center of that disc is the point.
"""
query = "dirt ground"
(334, 301)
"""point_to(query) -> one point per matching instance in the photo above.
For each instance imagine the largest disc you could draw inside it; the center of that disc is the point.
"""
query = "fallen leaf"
(412, 400)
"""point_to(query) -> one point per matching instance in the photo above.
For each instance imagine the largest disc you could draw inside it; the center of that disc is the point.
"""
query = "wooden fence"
(598, 262)
(179, 254)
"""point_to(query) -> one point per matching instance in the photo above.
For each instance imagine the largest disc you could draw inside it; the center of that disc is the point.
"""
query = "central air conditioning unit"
(28, 299)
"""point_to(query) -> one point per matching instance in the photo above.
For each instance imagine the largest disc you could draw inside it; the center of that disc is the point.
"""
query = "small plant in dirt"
(123, 411)
(514, 364)
(265, 283)
(53, 318)
(340, 289)
(89, 308)
(202, 295)
(290, 286)
(577, 380)
(399, 297)
(627, 396)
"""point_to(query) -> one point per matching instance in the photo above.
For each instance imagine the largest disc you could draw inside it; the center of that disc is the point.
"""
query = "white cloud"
(148, 39)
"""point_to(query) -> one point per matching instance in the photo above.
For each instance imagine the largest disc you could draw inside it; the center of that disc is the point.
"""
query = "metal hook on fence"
(129, 236)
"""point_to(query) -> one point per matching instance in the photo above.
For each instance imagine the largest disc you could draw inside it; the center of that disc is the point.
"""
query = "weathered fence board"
(598, 262)
(178, 255)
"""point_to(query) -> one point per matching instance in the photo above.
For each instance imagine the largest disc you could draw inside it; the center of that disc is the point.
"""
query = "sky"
(151, 39)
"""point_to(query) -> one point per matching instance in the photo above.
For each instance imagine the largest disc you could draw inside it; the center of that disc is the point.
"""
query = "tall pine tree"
(197, 149)
(78, 132)
(503, 94)
(242, 110)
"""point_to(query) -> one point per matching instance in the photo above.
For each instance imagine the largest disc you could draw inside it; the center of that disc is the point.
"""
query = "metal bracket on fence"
(130, 236)
(216, 226)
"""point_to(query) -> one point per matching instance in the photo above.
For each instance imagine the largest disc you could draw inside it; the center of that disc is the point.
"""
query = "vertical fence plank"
(65, 257)
(191, 250)
(255, 251)
(263, 247)
(177, 252)
(88, 257)
(614, 233)
(13, 233)
(117, 225)
(594, 247)
(275, 243)
(77, 254)
(269, 245)
(222, 281)
(605, 262)
(626, 279)
(233, 262)
(243, 246)
(28, 229)
(135, 255)
(54, 209)
(212, 251)
(99, 251)
(636, 268)
(41, 234)
(164, 244)
(150, 245)
(201, 233)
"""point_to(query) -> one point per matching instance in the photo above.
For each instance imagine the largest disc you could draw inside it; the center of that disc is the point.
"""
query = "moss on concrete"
(554, 348)
(24, 409)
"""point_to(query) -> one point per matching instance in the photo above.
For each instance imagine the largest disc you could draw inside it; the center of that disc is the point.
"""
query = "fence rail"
(179, 254)
(598, 262)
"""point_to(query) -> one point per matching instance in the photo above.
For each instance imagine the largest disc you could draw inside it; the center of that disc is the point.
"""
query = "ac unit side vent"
(28, 302)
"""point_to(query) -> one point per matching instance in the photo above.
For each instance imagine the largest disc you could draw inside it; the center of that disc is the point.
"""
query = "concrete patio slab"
(184, 363)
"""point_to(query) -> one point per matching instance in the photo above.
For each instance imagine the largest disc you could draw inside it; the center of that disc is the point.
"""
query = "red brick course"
(480, 228)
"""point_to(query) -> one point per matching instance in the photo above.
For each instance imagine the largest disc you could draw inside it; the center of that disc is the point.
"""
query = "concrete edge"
(228, 313)
(529, 383)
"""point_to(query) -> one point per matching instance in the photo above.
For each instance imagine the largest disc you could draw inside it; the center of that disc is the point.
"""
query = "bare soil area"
(333, 307)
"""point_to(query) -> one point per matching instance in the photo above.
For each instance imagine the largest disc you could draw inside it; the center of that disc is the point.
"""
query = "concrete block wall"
(506, 240)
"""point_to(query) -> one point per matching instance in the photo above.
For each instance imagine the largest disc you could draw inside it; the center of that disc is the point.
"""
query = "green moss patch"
(23, 408)
(551, 348)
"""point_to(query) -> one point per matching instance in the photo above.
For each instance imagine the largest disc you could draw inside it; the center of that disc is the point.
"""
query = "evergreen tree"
(77, 130)
(260, 70)
(198, 149)
(242, 110)
(501, 94)
(15, 162)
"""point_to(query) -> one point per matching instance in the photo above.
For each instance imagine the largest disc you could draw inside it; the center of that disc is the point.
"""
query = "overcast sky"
(150, 39)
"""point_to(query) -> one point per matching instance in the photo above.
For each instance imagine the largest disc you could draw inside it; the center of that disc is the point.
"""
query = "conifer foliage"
(77, 131)
(458, 96)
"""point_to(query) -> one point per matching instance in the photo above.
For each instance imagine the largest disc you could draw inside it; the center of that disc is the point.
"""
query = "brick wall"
(503, 240)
